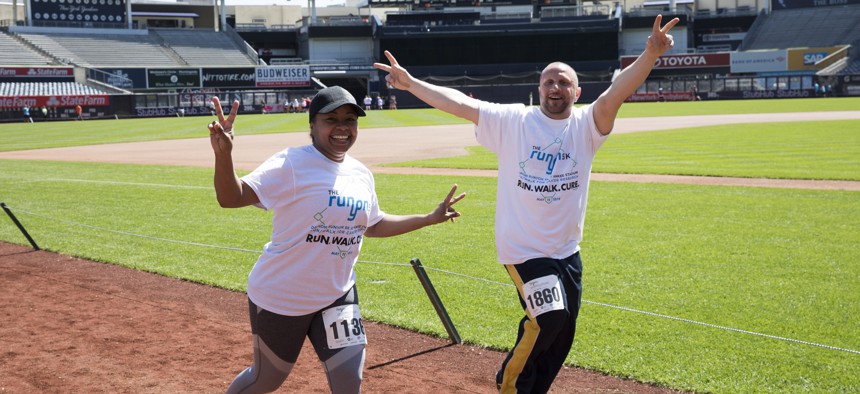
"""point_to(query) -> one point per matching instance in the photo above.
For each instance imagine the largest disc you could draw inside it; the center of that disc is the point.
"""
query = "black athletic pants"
(550, 293)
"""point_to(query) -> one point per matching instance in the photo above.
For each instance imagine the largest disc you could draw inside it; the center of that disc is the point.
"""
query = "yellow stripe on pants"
(524, 347)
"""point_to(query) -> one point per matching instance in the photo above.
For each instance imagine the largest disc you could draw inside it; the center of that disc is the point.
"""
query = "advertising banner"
(685, 61)
(283, 76)
(126, 78)
(805, 58)
(37, 74)
(54, 101)
(721, 37)
(759, 61)
(172, 78)
(761, 94)
(792, 4)
(654, 97)
(235, 77)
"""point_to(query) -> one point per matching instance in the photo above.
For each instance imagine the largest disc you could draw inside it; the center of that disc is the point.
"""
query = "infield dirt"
(72, 326)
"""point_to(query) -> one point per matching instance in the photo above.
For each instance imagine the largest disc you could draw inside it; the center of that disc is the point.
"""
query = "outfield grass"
(21, 135)
(779, 262)
(798, 150)
(39, 135)
(727, 107)
(771, 261)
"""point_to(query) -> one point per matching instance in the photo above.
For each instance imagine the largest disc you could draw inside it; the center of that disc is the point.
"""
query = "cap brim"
(333, 106)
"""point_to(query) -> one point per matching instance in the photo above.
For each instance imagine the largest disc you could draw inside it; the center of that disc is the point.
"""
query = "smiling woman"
(324, 203)
(333, 117)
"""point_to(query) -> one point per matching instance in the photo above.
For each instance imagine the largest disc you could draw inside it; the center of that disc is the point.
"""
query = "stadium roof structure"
(166, 14)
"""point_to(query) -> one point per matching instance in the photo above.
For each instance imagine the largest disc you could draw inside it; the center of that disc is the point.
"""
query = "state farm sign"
(698, 60)
(55, 101)
(36, 72)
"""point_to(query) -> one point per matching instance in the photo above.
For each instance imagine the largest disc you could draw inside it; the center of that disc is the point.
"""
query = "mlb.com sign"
(275, 76)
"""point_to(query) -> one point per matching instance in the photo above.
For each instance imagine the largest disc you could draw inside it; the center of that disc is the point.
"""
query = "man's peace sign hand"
(397, 77)
(659, 41)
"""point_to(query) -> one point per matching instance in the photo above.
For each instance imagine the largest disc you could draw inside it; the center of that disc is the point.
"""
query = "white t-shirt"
(321, 210)
(544, 169)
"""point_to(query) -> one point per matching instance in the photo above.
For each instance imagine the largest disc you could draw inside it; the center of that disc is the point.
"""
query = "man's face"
(558, 90)
(335, 132)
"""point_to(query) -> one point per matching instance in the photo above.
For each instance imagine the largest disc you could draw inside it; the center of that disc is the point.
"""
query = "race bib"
(343, 326)
(543, 295)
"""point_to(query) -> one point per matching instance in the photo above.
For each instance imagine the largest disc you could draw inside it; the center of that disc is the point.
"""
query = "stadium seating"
(47, 89)
(812, 27)
(155, 48)
(853, 68)
(203, 47)
(94, 50)
(15, 53)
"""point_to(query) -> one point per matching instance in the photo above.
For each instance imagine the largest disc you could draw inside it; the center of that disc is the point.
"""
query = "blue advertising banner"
(125, 78)
(172, 78)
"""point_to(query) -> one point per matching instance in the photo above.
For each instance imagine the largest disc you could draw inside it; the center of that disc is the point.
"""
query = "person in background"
(303, 284)
(26, 111)
(544, 159)
(44, 112)
(392, 102)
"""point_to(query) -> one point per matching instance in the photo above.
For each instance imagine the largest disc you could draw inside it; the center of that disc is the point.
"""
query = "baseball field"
(718, 255)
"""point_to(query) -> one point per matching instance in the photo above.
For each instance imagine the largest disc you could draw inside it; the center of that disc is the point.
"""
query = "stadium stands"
(853, 67)
(15, 53)
(9, 89)
(97, 50)
(155, 48)
(810, 27)
(203, 47)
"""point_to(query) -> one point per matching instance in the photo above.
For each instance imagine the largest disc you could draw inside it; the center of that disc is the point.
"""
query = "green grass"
(661, 261)
(771, 261)
(724, 107)
(21, 136)
(799, 150)
(40, 135)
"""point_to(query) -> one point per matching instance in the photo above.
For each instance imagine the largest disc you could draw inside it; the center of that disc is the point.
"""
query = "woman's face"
(335, 132)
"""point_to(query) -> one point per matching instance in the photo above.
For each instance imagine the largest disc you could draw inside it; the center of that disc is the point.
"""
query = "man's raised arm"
(445, 99)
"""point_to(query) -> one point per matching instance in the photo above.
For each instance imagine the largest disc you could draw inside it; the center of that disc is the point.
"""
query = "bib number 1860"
(543, 295)
(344, 326)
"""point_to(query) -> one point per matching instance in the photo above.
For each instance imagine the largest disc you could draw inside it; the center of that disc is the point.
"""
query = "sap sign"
(810, 58)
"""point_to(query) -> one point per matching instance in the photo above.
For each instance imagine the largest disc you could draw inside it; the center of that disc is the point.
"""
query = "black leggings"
(336, 332)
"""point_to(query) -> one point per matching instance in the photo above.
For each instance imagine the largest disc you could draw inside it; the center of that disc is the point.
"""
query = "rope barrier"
(456, 274)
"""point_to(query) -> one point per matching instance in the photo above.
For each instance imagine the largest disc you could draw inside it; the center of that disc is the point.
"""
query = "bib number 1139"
(344, 326)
